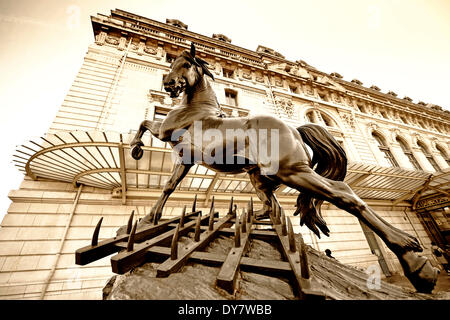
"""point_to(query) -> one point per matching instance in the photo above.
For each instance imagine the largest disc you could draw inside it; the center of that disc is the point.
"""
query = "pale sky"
(398, 45)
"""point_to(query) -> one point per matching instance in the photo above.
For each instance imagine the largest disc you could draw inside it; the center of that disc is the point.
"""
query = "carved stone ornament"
(286, 105)
(299, 71)
(372, 126)
(348, 117)
(112, 41)
(150, 50)
(247, 75)
(375, 88)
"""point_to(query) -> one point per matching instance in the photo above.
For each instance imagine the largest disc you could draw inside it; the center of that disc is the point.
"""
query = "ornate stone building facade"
(399, 154)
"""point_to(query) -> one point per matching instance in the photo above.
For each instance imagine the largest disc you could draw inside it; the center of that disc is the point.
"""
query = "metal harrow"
(159, 242)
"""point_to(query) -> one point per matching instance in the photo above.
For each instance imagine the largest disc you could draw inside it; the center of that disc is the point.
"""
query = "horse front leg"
(179, 172)
(137, 144)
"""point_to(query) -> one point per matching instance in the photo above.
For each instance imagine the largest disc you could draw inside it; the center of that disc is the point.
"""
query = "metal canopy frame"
(102, 159)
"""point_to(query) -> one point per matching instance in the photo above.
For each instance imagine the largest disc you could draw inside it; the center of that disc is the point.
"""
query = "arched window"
(310, 117)
(327, 120)
(407, 151)
(443, 154)
(428, 156)
(385, 150)
(322, 120)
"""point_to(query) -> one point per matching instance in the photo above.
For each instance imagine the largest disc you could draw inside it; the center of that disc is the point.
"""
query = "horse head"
(185, 72)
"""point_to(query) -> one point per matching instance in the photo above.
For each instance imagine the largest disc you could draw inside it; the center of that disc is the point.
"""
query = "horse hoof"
(419, 271)
(137, 152)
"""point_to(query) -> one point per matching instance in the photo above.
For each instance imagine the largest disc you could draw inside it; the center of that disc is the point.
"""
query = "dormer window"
(228, 73)
(170, 58)
(177, 23)
(293, 89)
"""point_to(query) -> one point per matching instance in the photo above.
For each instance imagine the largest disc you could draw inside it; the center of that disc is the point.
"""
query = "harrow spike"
(130, 244)
(130, 222)
(250, 210)
(197, 228)
(283, 223)
(211, 216)
(237, 234)
(272, 213)
(244, 221)
(230, 208)
(194, 204)
(174, 245)
(292, 246)
(183, 213)
(96, 232)
(304, 265)
(277, 213)
(155, 219)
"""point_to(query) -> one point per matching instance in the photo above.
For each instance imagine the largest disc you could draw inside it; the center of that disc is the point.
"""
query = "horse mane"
(199, 62)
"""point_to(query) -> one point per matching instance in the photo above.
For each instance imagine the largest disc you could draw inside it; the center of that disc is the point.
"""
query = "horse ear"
(192, 50)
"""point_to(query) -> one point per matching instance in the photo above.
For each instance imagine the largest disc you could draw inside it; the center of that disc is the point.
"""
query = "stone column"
(440, 160)
(400, 156)
(422, 160)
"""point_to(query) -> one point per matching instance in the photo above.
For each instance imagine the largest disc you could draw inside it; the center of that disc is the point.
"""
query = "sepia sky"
(398, 45)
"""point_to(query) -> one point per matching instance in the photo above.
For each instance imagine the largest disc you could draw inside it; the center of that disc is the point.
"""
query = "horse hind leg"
(264, 190)
(418, 269)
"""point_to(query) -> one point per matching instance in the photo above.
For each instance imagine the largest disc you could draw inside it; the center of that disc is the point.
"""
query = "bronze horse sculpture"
(294, 166)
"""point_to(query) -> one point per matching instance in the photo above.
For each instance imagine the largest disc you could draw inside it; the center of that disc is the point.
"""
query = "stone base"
(196, 281)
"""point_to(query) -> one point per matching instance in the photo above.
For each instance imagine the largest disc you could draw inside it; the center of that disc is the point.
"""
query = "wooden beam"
(123, 175)
(303, 285)
(248, 264)
(226, 279)
(106, 247)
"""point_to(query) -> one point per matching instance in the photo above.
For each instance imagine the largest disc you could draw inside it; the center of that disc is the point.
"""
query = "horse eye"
(187, 65)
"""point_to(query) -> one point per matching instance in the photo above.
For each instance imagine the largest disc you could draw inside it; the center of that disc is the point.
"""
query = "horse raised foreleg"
(264, 190)
(179, 172)
(416, 268)
(137, 144)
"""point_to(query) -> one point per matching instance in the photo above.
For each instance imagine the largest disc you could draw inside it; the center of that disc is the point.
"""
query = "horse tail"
(330, 161)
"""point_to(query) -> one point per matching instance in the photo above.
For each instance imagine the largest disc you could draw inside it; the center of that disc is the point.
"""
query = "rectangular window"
(230, 98)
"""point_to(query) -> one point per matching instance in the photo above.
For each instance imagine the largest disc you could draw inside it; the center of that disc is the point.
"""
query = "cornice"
(387, 100)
